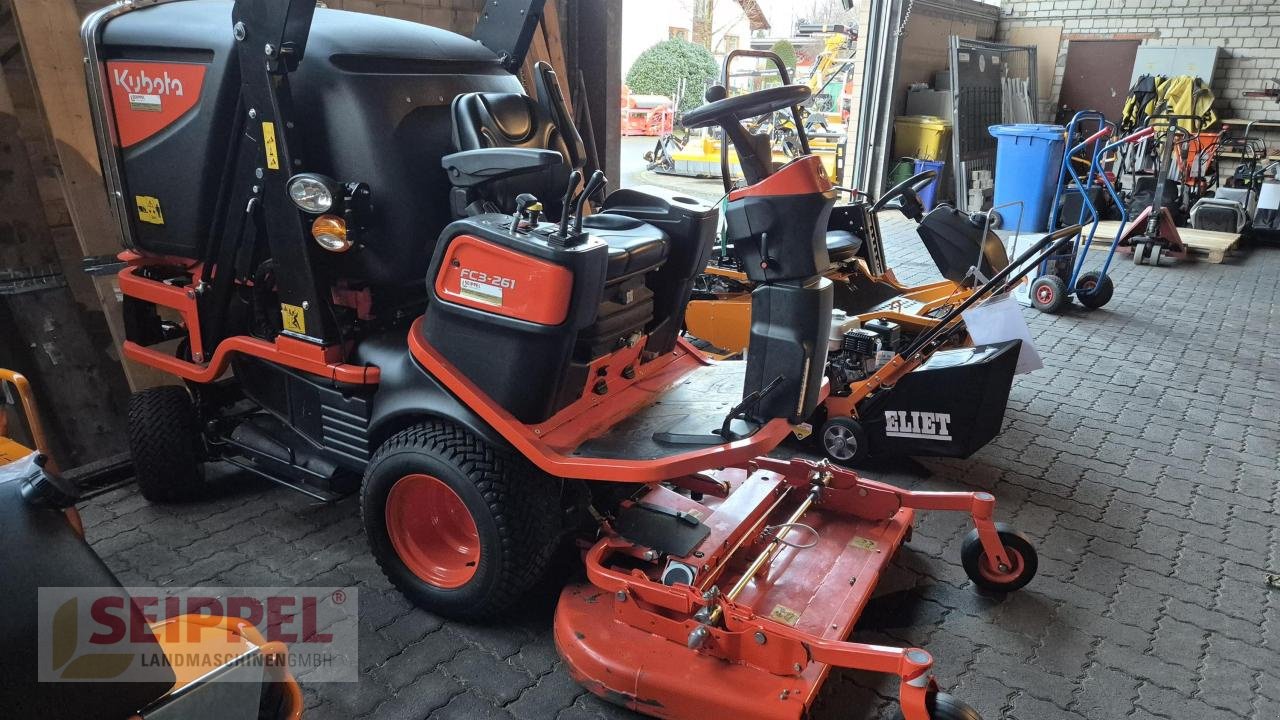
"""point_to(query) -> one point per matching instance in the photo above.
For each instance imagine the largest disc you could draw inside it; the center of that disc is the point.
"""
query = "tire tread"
(521, 499)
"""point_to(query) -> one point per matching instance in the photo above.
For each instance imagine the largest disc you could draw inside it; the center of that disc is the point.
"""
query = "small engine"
(854, 361)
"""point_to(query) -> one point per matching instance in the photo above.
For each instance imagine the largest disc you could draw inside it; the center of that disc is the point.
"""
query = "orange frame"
(547, 445)
(325, 361)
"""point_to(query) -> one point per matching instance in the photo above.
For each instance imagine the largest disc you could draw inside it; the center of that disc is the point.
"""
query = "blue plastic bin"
(930, 192)
(1028, 159)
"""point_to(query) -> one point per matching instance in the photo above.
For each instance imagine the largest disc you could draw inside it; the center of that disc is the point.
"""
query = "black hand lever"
(523, 200)
(596, 182)
(575, 177)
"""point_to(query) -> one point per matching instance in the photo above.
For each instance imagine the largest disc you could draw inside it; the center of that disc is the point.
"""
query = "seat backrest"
(552, 101)
(513, 120)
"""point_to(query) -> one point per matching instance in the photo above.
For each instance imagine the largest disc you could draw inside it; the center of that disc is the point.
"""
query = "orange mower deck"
(763, 621)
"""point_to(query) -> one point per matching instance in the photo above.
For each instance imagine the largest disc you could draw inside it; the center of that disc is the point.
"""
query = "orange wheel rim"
(991, 573)
(1044, 294)
(432, 531)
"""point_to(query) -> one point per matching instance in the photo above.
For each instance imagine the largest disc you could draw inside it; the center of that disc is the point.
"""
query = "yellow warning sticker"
(295, 320)
(269, 143)
(785, 615)
(865, 544)
(149, 209)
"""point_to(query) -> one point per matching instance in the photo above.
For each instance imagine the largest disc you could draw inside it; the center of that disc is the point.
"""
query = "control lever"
(523, 201)
(575, 177)
(596, 182)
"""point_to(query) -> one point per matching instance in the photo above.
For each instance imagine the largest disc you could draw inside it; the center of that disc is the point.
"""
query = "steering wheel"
(723, 110)
(755, 155)
(908, 190)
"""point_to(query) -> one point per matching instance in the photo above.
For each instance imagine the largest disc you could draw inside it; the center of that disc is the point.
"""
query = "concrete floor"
(1143, 460)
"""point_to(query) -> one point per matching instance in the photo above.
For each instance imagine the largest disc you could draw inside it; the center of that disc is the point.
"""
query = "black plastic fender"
(407, 392)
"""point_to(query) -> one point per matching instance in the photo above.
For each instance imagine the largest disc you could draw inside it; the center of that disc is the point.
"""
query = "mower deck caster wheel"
(986, 575)
(942, 706)
(166, 443)
(461, 527)
(1049, 294)
(844, 440)
(1093, 289)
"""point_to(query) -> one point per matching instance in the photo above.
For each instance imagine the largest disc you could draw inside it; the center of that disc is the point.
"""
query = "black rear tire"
(1093, 289)
(942, 706)
(513, 505)
(167, 446)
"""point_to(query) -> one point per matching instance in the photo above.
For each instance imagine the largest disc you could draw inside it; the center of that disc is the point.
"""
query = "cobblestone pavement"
(1142, 461)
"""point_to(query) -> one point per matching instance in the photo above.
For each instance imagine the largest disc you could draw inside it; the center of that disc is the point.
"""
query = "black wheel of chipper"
(1093, 289)
(1022, 555)
(1049, 294)
(844, 440)
(462, 528)
(166, 443)
(942, 706)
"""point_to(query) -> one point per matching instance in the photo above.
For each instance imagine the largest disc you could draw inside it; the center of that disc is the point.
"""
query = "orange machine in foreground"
(238, 675)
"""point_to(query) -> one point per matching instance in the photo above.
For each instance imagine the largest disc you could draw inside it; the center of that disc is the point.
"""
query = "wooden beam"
(49, 32)
(50, 339)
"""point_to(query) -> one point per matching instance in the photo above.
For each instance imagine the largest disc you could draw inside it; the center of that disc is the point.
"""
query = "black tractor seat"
(634, 246)
(842, 245)
(508, 120)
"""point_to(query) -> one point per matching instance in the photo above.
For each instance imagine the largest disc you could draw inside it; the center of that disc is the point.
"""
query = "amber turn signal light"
(330, 231)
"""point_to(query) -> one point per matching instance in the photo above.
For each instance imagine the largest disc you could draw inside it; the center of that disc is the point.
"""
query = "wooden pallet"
(1207, 244)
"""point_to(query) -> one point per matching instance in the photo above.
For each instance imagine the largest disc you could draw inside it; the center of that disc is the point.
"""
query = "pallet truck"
(204, 666)
(417, 307)
(1153, 234)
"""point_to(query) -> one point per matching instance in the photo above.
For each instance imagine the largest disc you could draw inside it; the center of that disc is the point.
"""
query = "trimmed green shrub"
(659, 69)
(787, 52)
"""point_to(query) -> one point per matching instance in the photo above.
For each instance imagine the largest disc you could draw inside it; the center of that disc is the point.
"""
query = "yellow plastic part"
(923, 137)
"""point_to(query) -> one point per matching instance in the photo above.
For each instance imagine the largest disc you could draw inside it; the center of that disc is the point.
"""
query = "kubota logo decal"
(143, 83)
(917, 425)
(148, 97)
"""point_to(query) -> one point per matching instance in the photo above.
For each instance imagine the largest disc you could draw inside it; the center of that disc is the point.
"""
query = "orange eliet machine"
(397, 263)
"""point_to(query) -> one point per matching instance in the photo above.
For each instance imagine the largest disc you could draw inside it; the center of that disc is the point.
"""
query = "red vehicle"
(418, 308)
(651, 115)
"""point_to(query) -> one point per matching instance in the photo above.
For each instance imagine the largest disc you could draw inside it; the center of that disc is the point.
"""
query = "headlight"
(312, 193)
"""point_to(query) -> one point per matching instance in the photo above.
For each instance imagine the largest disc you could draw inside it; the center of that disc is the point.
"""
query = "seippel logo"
(917, 425)
(145, 84)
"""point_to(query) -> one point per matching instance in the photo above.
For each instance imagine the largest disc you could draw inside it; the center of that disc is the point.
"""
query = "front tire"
(460, 527)
(166, 443)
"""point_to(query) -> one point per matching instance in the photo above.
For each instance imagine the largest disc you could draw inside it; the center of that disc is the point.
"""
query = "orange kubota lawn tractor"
(204, 666)
(373, 226)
